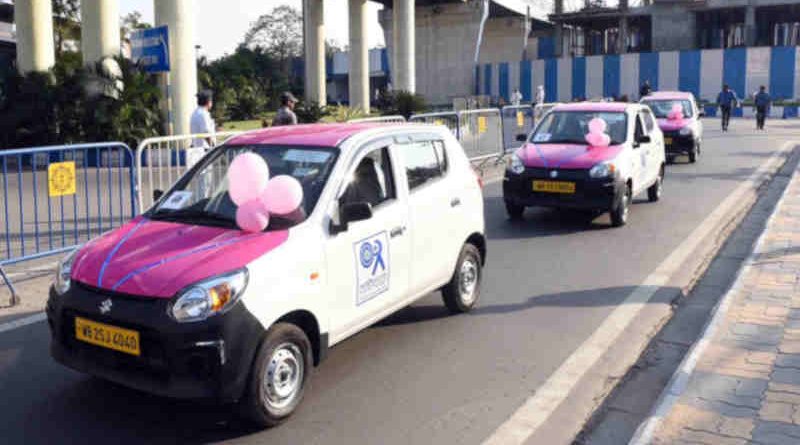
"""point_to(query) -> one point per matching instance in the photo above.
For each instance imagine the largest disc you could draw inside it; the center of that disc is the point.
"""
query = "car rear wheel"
(655, 190)
(279, 377)
(694, 154)
(464, 288)
(621, 209)
(514, 211)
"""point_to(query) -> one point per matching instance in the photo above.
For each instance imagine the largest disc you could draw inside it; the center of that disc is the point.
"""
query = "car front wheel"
(654, 191)
(621, 209)
(279, 377)
(464, 288)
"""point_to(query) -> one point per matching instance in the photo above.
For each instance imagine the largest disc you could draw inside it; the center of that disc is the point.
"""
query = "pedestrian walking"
(201, 121)
(761, 104)
(540, 95)
(516, 97)
(645, 90)
(726, 100)
(285, 114)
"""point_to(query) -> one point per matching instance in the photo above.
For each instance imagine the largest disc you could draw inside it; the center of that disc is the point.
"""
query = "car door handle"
(397, 231)
(455, 202)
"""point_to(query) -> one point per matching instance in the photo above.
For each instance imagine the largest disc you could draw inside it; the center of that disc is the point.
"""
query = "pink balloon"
(283, 195)
(598, 139)
(597, 125)
(252, 216)
(247, 177)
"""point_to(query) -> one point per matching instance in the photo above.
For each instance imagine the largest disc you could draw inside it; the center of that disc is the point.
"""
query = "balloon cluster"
(597, 136)
(256, 195)
(676, 114)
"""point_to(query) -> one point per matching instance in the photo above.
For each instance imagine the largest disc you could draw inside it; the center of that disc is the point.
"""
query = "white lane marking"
(535, 411)
(680, 378)
(21, 322)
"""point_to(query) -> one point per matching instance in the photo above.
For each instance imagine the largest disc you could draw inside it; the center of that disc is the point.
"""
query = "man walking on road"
(762, 103)
(726, 100)
(645, 90)
(285, 115)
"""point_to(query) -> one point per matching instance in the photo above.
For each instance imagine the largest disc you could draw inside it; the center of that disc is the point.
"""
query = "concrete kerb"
(680, 378)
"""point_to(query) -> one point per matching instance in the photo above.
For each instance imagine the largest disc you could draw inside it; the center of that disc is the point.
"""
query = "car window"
(570, 127)
(423, 162)
(441, 154)
(372, 180)
(639, 130)
(649, 123)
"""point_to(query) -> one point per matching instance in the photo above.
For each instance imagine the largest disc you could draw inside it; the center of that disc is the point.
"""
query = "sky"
(220, 25)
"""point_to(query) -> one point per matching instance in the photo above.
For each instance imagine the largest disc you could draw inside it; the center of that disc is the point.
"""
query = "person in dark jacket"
(285, 114)
(762, 103)
(726, 100)
(645, 90)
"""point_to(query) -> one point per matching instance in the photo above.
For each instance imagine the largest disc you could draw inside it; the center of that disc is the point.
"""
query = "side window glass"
(639, 130)
(648, 121)
(372, 181)
(441, 155)
(422, 163)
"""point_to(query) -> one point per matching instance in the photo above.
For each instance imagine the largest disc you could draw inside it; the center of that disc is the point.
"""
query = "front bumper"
(678, 145)
(209, 359)
(590, 193)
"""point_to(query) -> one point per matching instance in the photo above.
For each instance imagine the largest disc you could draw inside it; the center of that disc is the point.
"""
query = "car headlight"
(686, 131)
(515, 164)
(64, 272)
(603, 170)
(209, 297)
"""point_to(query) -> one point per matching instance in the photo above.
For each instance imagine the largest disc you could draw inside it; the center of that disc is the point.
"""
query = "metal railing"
(540, 110)
(518, 122)
(379, 119)
(481, 133)
(58, 197)
(448, 118)
(161, 161)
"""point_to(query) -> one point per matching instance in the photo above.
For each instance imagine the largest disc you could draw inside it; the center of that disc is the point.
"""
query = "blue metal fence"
(58, 197)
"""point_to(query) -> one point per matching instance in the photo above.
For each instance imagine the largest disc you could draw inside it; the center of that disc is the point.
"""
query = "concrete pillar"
(558, 30)
(622, 38)
(314, 34)
(750, 25)
(404, 27)
(359, 55)
(178, 15)
(558, 7)
(99, 29)
(35, 47)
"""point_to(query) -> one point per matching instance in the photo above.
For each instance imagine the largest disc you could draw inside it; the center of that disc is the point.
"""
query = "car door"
(641, 156)
(656, 154)
(368, 262)
(431, 207)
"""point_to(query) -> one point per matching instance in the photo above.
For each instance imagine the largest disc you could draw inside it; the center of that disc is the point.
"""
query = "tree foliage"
(66, 22)
(402, 103)
(280, 33)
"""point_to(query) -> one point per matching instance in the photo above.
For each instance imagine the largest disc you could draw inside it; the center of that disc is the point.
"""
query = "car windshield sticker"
(541, 137)
(301, 172)
(177, 201)
(372, 265)
(312, 156)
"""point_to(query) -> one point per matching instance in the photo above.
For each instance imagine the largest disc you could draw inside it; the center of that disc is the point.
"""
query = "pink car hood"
(565, 155)
(673, 125)
(158, 259)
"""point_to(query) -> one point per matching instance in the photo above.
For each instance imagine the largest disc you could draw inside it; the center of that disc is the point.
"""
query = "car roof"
(594, 106)
(314, 135)
(669, 95)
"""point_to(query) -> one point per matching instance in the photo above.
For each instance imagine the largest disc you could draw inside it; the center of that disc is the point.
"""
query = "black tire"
(464, 288)
(285, 354)
(621, 209)
(514, 211)
(655, 190)
(694, 154)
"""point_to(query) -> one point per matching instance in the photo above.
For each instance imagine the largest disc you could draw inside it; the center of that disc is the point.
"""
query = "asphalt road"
(419, 376)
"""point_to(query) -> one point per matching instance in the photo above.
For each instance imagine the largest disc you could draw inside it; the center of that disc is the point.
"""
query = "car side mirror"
(522, 137)
(701, 113)
(157, 194)
(351, 212)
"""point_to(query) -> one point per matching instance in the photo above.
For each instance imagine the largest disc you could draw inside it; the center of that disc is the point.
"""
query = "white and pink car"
(679, 119)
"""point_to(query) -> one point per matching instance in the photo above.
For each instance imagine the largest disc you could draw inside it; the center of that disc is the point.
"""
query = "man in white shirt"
(516, 97)
(201, 122)
(540, 95)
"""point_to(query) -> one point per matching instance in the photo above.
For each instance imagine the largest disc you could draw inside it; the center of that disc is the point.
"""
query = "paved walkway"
(745, 388)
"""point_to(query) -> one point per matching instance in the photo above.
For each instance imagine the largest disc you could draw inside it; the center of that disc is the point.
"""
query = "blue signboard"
(150, 48)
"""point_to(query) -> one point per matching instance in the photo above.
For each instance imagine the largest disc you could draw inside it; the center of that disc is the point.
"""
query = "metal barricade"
(161, 161)
(379, 119)
(449, 119)
(481, 133)
(58, 197)
(517, 124)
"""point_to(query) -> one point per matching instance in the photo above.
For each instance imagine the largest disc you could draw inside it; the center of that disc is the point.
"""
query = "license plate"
(668, 141)
(554, 187)
(107, 336)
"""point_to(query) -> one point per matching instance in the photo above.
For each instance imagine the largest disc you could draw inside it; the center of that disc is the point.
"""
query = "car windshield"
(661, 108)
(201, 196)
(571, 127)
